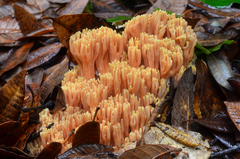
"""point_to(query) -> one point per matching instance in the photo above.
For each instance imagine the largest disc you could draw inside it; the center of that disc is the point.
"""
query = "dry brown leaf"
(183, 108)
(26, 20)
(12, 93)
(177, 7)
(233, 109)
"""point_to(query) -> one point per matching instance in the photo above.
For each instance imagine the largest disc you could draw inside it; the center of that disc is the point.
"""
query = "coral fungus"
(157, 46)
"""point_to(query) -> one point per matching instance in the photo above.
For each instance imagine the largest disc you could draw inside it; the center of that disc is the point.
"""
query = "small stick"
(233, 149)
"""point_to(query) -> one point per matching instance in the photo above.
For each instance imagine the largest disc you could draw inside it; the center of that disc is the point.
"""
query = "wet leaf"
(206, 39)
(41, 55)
(9, 30)
(27, 21)
(36, 76)
(13, 153)
(220, 3)
(156, 136)
(220, 71)
(227, 140)
(235, 83)
(54, 78)
(12, 93)
(17, 57)
(220, 122)
(148, 152)
(60, 100)
(110, 9)
(74, 7)
(87, 151)
(119, 18)
(183, 109)
(10, 132)
(207, 95)
(89, 133)
(177, 7)
(42, 5)
(233, 109)
(50, 151)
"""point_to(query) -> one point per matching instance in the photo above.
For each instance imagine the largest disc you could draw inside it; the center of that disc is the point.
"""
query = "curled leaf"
(50, 151)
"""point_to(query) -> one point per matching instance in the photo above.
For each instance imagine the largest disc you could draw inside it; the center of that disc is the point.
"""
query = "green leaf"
(168, 12)
(119, 18)
(212, 49)
(220, 3)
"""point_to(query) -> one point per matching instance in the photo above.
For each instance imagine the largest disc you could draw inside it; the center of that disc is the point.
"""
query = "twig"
(233, 149)
(37, 135)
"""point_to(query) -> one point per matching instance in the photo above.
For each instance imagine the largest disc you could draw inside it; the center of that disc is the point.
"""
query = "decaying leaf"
(42, 55)
(12, 93)
(220, 122)
(35, 77)
(54, 78)
(235, 83)
(148, 152)
(60, 100)
(156, 136)
(89, 151)
(207, 96)
(183, 109)
(50, 151)
(9, 30)
(88, 133)
(13, 153)
(233, 109)
(27, 21)
(10, 132)
(177, 7)
(74, 7)
(17, 57)
(220, 71)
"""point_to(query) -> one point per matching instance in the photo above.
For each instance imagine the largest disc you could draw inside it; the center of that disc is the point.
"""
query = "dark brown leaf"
(235, 83)
(183, 109)
(50, 151)
(54, 78)
(87, 151)
(41, 55)
(233, 109)
(12, 93)
(227, 140)
(207, 96)
(74, 7)
(177, 7)
(10, 132)
(148, 152)
(26, 20)
(220, 122)
(60, 100)
(9, 30)
(110, 8)
(17, 57)
(13, 153)
(88, 133)
(206, 39)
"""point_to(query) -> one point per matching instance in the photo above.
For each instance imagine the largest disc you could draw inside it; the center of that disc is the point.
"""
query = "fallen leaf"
(110, 8)
(89, 133)
(235, 83)
(6, 10)
(220, 71)
(59, 1)
(183, 109)
(10, 132)
(26, 20)
(148, 152)
(9, 30)
(42, 5)
(74, 7)
(220, 122)
(42, 55)
(156, 136)
(35, 77)
(17, 57)
(207, 95)
(54, 78)
(233, 109)
(12, 93)
(87, 151)
(206, 39)
(13, 153)
(50, 151)
(227, 140)
(178, 7)
(60, 100)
